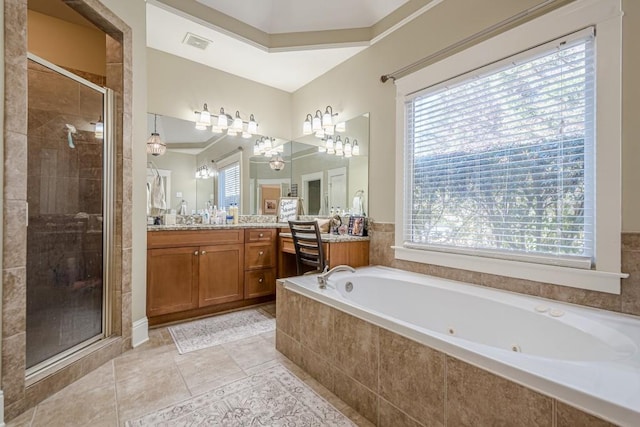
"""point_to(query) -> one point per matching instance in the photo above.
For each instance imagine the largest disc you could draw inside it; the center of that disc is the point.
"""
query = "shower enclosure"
(70, 209)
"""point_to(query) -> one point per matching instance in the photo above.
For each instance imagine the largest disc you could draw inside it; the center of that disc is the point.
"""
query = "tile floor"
(154, 376)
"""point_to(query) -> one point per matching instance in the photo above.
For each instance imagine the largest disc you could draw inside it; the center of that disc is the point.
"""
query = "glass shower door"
(65, 233)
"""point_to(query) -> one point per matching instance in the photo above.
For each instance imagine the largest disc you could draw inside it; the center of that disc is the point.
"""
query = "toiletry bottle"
(235, 213)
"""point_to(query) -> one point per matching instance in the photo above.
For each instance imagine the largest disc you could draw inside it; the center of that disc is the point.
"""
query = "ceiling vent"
(196, 41)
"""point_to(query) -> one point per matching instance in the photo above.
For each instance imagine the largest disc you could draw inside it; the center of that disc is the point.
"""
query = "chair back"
(308, 244)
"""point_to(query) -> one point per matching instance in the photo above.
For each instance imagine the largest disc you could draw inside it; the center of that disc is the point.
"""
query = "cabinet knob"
(260, 280)
(261, 253)
(195, 253)
(204, 252)
(261, 234)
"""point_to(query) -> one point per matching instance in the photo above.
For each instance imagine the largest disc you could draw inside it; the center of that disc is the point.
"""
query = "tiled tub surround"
(393, 380)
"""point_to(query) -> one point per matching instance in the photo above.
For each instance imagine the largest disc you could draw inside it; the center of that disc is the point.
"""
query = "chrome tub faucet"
(324, 276)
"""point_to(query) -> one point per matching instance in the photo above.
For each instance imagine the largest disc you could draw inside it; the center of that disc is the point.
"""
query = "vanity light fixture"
(223, 121)
(203, 172)
(341, 127)
(98, 129)
(155, 146)
(322, 124)
(265, 147)
(339, 147)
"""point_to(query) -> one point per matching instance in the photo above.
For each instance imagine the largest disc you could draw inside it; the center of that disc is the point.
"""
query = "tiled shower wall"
(394, 381)
(628, 302)
(18, 394)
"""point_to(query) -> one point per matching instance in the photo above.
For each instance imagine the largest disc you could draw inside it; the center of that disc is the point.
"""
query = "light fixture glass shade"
(322, 150)
(246, 135)
(320, 133)
(215, 129)
(268, 144)
(276, 163)
(356, 148)
(331, 150)
(99, 130)
(347, 147)
(223, 121)
(256, 149)
(237, 123)
(316, 124)
(339, 145)
(329, 144)
(306, 126)
(327, 117)
(252, 127)
(203, 118)
(341, 127)
(155, 146)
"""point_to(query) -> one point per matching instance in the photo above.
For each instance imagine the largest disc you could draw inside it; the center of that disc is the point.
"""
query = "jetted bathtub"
(588, 358)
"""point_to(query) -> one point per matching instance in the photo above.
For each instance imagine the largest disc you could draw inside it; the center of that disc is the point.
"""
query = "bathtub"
(584, 357)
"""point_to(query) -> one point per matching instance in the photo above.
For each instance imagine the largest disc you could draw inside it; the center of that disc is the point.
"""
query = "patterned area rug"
(221, 329)
(274, 397)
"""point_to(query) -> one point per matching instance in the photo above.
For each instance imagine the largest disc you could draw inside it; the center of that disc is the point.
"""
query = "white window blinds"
(500, 162)
(229, 185)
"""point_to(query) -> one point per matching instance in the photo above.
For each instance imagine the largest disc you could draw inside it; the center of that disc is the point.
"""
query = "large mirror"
(297, 169)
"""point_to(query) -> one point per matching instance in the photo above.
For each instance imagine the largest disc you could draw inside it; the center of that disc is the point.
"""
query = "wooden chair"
(308, 245)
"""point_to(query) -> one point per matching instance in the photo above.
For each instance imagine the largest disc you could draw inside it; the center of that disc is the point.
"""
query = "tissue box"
(169, 219)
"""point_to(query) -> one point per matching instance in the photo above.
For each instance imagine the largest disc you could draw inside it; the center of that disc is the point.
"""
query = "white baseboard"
(139, 332)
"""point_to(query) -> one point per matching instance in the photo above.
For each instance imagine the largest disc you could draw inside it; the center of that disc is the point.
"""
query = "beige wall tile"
(356, 396)
(288, 309)
(288, 347)
(14, 290)
(356, 345)
(568, 416)
(13, 367)
(390, 416)
(478, 398)
(412, 377)
(316, 327)
(319, 368)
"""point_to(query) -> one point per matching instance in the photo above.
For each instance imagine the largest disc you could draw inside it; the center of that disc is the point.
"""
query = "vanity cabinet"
(260, 262)
(172, 274)
(221, 272)
(198, 272)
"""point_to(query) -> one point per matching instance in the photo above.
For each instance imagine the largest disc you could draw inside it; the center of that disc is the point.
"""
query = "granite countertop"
(329, 238)
(193, 227)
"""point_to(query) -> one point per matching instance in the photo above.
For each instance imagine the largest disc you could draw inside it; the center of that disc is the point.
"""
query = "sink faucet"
(324, 277)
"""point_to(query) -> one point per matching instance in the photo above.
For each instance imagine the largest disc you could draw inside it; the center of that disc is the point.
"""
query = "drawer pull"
(261, 234)
(260, 280)
(195, 253)
(261, 253)
(204, 252)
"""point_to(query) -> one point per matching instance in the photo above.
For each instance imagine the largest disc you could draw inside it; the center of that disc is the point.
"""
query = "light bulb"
(327, 119)
(252, 127)
(356, 148)
(306, 126)
(317, 122)
(223, 122)
(237, 123)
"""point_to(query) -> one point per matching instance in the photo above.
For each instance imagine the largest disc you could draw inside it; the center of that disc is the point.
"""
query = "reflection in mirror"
(320, 180)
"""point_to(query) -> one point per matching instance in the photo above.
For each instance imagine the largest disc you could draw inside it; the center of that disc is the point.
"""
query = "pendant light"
(155, 146)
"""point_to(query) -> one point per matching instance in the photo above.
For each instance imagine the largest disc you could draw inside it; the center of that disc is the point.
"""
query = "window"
(500, 161)
(229, 182)
(509, 152)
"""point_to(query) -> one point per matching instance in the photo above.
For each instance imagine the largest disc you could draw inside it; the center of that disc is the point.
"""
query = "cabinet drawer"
(259, 235)
(165, 239)
(258, 283)
(259, 255)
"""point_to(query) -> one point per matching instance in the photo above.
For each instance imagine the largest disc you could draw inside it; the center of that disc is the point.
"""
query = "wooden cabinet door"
(172, 280)
(259, 255)
(221, 274)
(258, 283)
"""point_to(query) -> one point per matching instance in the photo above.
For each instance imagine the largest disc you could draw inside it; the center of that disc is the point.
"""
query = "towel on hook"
(158, 201)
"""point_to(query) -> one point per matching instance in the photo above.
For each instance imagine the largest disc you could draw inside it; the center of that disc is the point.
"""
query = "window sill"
(593, 280)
